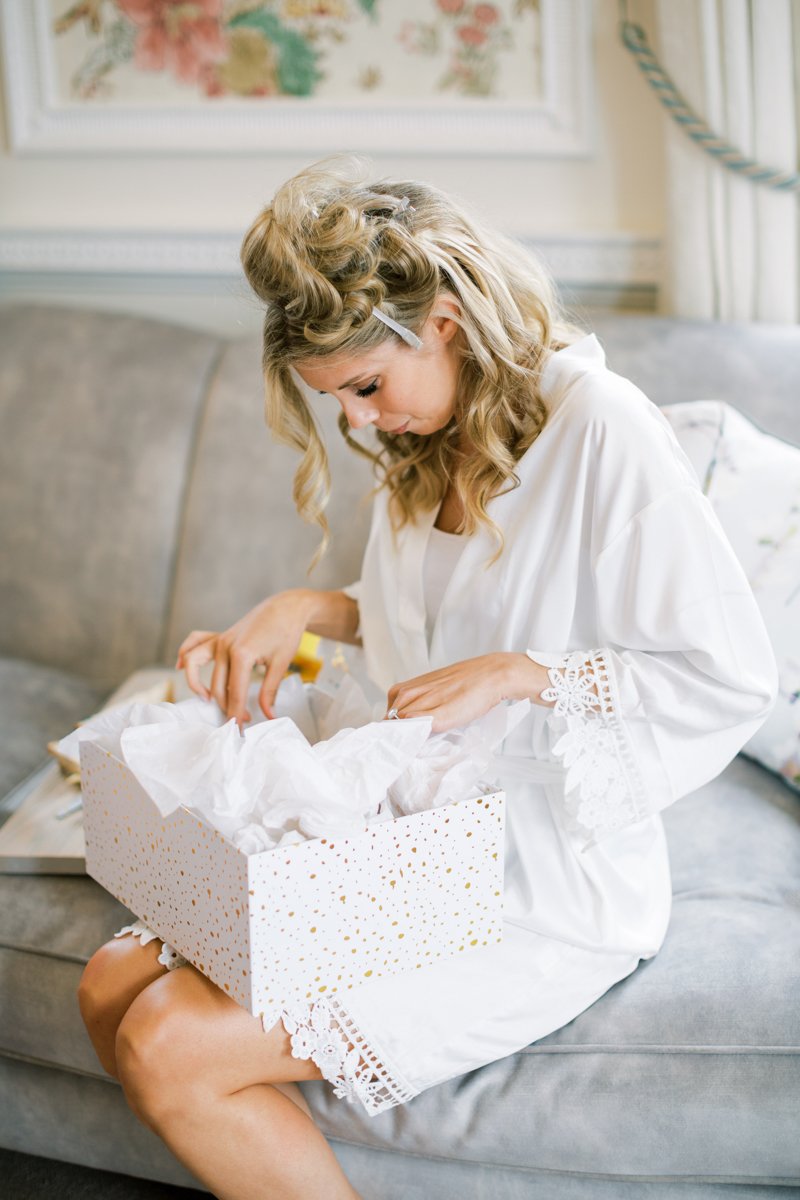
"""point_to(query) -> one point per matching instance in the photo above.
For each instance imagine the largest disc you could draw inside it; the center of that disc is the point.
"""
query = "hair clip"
(406, 334)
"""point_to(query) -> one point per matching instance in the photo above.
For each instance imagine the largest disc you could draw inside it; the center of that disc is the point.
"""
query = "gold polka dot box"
(306, 920)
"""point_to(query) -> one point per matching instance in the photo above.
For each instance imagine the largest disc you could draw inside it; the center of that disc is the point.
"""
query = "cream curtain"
(733, 247)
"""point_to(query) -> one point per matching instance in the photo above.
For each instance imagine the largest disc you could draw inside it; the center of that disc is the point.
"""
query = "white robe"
(615, 573)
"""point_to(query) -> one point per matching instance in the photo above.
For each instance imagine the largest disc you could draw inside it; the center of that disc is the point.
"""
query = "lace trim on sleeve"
(169, 956)
(327, 1034)
(604, 790)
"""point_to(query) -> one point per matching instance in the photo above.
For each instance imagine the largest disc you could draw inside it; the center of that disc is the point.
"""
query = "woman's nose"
(359, 415)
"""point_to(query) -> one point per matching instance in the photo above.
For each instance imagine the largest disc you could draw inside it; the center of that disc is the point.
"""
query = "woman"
(537, 533)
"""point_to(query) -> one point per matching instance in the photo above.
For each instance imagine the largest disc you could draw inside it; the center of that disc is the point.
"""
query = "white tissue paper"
(324, 766)
(453, 765)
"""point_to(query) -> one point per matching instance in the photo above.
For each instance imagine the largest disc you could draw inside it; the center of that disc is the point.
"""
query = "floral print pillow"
(753, 482)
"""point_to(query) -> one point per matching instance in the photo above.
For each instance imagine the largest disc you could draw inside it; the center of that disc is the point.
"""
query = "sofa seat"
(37, 704)
(50, 925)
(673, 1062)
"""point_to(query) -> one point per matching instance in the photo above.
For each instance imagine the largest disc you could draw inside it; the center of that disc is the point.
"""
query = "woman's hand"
(461, 693)
(270, 633)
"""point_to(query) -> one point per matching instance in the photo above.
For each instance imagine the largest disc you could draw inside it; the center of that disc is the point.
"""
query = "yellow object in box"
(305, 661)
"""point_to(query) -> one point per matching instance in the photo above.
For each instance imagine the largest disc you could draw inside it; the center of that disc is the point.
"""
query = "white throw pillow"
(753, 482)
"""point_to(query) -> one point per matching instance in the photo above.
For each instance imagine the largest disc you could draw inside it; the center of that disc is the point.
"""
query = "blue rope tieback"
(635, 38)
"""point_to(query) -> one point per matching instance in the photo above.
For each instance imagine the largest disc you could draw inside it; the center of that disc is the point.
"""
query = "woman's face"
(395, 388)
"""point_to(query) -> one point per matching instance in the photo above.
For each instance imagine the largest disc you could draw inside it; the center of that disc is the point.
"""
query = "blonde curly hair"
(331, 245)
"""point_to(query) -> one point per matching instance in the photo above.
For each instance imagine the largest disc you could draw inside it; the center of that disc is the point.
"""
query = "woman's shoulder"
(607, 421)
(585, 395)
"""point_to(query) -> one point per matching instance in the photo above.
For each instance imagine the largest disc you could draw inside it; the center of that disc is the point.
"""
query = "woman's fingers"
(400, 693)
(454, 695)
(445, 709)
(219, 676)
(269, 633)
(276, 669)
(241, 667)
(415, 694)
(192, 661)
(194, 639)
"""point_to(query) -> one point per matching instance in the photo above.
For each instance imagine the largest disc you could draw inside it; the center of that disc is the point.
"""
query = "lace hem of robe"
(604, 791)
(169, 956)
(324, 1032)
(327, 1034)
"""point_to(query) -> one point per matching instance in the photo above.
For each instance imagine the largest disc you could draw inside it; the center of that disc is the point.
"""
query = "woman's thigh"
(112, 979)
(183, 1027)
(119, 970)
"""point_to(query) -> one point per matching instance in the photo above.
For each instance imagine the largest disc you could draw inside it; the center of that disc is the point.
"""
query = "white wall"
(599, 219)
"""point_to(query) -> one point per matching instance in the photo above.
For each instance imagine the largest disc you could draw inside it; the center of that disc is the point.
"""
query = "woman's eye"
(367, 391)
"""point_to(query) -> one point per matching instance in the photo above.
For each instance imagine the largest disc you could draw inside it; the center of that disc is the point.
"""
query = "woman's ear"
(445, 308)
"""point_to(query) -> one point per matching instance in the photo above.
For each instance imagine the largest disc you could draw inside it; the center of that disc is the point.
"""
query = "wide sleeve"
(353, 590)
(683, 677)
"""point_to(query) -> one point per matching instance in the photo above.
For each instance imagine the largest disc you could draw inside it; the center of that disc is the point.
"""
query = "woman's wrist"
(526, 679)
(330, 614)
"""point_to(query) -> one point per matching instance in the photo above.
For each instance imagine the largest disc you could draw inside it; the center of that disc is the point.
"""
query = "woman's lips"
(401, 428)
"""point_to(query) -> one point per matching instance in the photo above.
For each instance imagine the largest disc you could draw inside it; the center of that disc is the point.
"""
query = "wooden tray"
(33, 841)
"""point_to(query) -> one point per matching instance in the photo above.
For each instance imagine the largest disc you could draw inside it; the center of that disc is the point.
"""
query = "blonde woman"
(537, 533)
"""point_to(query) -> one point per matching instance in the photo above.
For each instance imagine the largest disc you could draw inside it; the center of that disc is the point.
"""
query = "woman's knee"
(98, 985)
(112, 978)
(149, 1049)
(95, 1001)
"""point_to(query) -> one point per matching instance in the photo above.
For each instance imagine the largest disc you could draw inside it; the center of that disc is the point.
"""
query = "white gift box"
(312, 919)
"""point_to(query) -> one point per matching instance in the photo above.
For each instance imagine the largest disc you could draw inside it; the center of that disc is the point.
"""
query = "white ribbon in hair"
(404, 333)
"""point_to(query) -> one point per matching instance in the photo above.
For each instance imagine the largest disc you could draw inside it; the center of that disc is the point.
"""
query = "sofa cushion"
(37, 705)
(101, 410)
(50, 925)
(752, 365)
(689, 1066)
(753, 483)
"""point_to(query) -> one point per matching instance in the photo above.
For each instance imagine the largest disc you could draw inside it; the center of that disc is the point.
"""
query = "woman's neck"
(450, 516)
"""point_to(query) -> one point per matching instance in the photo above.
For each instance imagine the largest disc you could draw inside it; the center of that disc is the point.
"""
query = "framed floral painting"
(425, 76)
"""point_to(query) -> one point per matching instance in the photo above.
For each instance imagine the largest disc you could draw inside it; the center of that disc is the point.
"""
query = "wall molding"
(599, 260)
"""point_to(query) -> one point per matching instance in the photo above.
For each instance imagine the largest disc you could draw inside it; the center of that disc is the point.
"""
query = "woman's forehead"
(341, 368)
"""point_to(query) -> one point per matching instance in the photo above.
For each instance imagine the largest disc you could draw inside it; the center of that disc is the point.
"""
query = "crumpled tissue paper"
(453, 765)
(326, 765)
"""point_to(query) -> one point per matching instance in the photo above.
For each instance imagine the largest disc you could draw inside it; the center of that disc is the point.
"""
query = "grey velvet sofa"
(141, 497)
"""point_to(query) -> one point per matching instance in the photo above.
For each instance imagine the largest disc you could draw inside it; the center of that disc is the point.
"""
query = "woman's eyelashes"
(367, 391)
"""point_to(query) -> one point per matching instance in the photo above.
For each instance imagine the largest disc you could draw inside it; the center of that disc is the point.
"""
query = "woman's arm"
(465, 690)
(270, 634)
(332, 615)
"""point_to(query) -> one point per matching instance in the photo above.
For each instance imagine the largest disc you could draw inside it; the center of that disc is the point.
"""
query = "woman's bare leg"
(293, 1092)
(255, 1145)
(201, 1072)
(112, 979)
